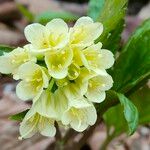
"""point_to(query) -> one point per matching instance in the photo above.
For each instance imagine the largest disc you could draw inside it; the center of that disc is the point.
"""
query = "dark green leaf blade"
(130, 113)
(95, 8)
(133, 65)
(141, 98)
(122, 119)
(5, 49)
(111, 14)
(19, 116)
(114, 118)
(47, 16)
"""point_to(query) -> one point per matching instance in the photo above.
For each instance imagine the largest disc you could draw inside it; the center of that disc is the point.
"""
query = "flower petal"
(85, 32)
(25, 91)
(92, 115)
(27, 129)
(95, 96)
(37, 35)
(78, 125)
(83, 20)
(6, 66)
(106, 59)
(45, 105)
(47, 127)
(97, 87)
(59, 35)
(58, 62)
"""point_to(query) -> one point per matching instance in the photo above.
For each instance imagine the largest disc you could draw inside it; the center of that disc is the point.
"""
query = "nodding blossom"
(63, 71)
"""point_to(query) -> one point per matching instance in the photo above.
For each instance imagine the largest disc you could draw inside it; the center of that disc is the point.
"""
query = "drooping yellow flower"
(97, 87)
(76, 87)
(80, 114)
(85, 32)
(44, 38)
(51, 104)
(58, 61)
(74, 76)
(35, 122)
(34, 79)
(10, 62)
(96, 59)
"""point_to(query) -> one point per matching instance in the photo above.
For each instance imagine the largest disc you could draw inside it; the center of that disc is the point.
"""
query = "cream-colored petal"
(73, 71)
(91, 114)
(85, 32)
(79, 114)
(78, 125)
(6, 66)
(103, 82)
(95, 96)
(58, 62)
(79, 102)
(73, 90)
(10, 62)
(37, 35)
(45, 105)
(91, 55)
(34, 80)
(106, 59)
(59, 35)
(60, 103)
(46, 127)
(97, 87)
(86, 74)
(57, 25)
(25, 91)
(38, 53)
(58, 74)
(66, 118)
(78, 56)
(27, 70)
(83, 20)
(96, 59)
(28, 129)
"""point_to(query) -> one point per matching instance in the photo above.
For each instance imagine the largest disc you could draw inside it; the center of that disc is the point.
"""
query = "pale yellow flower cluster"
(63, 71)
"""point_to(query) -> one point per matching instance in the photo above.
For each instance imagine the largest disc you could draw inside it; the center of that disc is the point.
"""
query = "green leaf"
(5, 49)
(130, 113)
(141, 98)
(111, 14)
(25, 12)
(114, 119)
(95, 8)
(133, 65)
(122, 118)
(19, 116)
(47, 16)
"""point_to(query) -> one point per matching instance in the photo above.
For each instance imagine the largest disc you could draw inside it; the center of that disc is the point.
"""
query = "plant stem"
(51, 84)
(58, 133)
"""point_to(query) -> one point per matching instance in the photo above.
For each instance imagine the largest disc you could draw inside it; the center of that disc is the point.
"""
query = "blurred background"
(14, 16)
